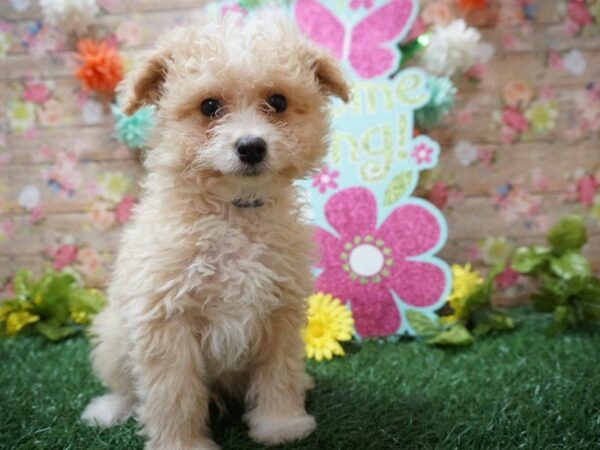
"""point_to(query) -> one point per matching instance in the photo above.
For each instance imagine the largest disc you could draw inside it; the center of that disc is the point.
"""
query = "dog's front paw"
(277, 430)
(202, 444)
(107, 410)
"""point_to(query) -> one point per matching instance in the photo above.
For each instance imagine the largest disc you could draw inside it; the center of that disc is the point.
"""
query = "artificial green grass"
(516, 390)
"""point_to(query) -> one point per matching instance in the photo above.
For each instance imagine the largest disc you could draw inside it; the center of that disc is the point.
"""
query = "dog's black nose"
(251, 149)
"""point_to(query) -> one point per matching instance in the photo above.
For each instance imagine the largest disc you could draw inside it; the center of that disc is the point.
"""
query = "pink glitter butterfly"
(368, 46)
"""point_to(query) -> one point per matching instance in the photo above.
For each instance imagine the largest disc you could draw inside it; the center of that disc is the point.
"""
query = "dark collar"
(239, 203)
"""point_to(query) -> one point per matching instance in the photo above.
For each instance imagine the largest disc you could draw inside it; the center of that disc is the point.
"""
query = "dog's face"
(242, 109)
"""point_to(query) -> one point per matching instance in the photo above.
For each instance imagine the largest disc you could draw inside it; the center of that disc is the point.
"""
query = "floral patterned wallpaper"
(519, 150)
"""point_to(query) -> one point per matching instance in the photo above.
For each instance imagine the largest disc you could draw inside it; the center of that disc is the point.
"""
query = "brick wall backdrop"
(65, 183)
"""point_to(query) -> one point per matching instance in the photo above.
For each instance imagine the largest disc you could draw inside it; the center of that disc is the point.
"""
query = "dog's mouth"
(251, 171)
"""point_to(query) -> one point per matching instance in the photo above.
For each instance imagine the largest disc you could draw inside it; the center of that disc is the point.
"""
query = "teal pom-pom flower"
(133, 130)
(441, 102)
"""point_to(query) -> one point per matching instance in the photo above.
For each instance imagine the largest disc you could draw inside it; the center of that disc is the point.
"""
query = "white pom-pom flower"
(70, 16)
(451, 49)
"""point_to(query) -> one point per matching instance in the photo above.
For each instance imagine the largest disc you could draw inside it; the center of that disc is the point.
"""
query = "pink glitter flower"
(325, 179)
(422, 153)
(363, 264)
(586, 190)
(63, 256)
(513, 118)
(123, 209)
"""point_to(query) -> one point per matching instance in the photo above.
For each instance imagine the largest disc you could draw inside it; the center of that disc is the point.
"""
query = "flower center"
(366, 260)
(325, 179)
(316, 328)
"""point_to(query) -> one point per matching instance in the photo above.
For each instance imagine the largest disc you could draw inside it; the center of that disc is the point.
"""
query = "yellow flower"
(542, 115)
(328, 323)
(464, 283)
(112, 186)
(79, 317)
(17, 320)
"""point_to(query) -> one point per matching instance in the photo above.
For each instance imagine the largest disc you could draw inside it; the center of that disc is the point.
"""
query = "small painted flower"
(422, 154)
(517, 93)
(21, 115)
(29, 197)
(329, 323)
(51, 113)
(437, 13)
(495, 250)
(112, 186)
(37, 214)
(574, 62)
(129, 32)
(101, 216)
(542, 115)
(586, 189)
(465, 152)
(438, 194)
(373, 267)
(35, 91)
(325, 179)
(514, 119)
(5, 39)
(91, 112)
(89, 261)
(123, 209)
(64, 256)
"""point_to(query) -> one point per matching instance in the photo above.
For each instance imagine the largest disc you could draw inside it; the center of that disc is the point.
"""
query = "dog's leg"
(174, 398)
(278, 383)
(109, 357)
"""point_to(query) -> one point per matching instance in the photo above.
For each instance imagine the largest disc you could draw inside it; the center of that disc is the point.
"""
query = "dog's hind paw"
(107, 410)
(277, 430)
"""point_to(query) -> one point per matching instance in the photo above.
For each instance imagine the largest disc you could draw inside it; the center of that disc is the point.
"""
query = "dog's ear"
(142, 85)
(329, 74)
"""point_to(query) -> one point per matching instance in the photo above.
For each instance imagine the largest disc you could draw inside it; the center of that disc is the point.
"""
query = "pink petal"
(375, 312)
(417, 284)
(410, 230)
(330, 249)
(352, 212)
(334, 281)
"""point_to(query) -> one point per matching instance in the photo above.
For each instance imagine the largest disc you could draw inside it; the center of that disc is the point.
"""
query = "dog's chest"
(237, 283)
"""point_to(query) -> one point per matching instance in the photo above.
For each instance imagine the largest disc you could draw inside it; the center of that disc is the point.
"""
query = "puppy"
(208, 291)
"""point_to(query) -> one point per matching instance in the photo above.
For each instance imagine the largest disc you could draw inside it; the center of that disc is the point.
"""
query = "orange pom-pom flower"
(466, 6)
(101, 66)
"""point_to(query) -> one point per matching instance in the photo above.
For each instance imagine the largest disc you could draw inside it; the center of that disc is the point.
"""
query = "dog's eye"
(210, 107)
(277, 102)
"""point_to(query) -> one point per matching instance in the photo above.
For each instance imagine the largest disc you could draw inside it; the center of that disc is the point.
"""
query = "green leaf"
(529, 259)
(421, 323)
(22, 284)
(560, 321)
(53, 330)
(568, 234)
(55, 302)
(493, 320)
(456, 335)
(89, 301)
(571, 264)
(398, 187)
